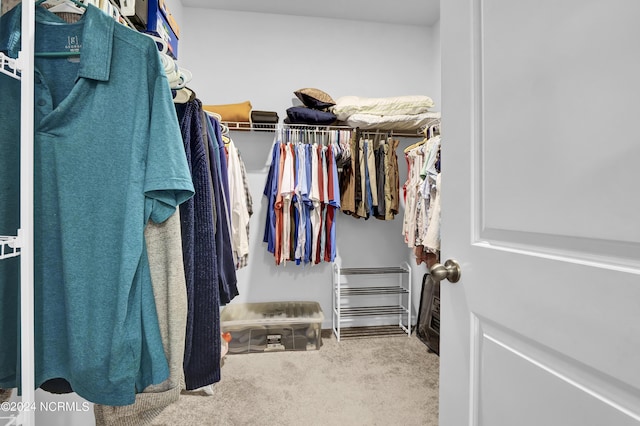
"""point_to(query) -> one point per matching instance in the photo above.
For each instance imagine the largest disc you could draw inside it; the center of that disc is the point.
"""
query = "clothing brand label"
(73, 44)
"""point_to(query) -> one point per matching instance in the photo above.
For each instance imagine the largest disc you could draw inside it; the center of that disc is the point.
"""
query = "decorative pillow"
(303, 115)
(314, 98)
(240, 112)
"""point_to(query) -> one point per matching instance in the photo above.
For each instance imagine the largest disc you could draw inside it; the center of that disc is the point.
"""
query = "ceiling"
(404, 12)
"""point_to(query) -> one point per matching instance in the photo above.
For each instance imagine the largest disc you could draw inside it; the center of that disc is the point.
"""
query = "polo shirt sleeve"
(167, 178)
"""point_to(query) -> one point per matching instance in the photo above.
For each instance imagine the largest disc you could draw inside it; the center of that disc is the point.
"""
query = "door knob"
(450, 270)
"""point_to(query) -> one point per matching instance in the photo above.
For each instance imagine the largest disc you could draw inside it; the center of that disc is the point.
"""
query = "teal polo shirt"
(109, 157)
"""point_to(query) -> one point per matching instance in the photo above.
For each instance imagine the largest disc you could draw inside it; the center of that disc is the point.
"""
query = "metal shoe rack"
(385, 298)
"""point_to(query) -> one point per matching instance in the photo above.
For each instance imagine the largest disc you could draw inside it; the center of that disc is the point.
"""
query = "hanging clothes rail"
(246, 126)
(303, 196)
(421, 221)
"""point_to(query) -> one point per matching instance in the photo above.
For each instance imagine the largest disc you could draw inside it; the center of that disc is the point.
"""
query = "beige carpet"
(376, 381)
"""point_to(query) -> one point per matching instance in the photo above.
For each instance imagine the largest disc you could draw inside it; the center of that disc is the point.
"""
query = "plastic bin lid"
(271, 313)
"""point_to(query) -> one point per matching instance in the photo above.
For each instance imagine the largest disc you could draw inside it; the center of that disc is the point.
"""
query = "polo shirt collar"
(97, 38)
(97, 44)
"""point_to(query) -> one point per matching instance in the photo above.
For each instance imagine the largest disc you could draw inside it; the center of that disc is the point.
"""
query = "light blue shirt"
(108, 157)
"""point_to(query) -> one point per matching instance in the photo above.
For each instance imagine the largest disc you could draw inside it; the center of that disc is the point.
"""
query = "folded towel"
(240, 112)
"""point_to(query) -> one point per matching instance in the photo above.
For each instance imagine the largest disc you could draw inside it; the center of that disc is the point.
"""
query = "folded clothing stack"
(233, 113)
(400, 113)
(267, 120)
(248, 340)
(315, 110)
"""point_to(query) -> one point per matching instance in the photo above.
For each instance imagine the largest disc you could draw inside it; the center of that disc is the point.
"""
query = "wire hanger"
(80, 5)
(60, 54)
(224, 129)
(68, 6)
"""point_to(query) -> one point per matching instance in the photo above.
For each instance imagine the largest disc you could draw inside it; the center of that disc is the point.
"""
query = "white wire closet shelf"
(250, 126)
(9, 67)
(8, 247)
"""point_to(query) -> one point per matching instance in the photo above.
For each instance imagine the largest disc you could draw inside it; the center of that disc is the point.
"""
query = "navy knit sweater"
(202, 345)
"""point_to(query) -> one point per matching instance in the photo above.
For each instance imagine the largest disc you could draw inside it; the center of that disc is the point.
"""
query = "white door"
(541, 207)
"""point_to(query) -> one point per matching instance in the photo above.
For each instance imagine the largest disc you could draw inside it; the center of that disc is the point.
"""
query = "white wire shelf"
(8, 66)
(8, 247)
(264, 127)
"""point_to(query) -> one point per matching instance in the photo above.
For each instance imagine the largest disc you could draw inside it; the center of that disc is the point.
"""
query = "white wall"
(434, 61)
(264, 58)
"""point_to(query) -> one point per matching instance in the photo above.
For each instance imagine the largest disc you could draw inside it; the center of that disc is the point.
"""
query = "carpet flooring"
(375, 381)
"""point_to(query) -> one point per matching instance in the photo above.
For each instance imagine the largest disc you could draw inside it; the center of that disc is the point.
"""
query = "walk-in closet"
(241, 213)
(221, 55)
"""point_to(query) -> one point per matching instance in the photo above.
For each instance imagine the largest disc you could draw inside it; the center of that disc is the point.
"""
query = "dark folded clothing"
(304, 115)
(269, 117)
(264, 120)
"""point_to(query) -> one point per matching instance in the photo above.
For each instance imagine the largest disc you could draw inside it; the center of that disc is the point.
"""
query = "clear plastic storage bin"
(272, 326)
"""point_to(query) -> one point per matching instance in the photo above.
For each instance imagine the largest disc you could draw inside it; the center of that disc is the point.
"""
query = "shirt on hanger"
(99, 177)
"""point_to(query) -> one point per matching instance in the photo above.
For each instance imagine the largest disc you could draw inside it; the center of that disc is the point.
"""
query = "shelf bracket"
(10, 66)
(9, 247)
